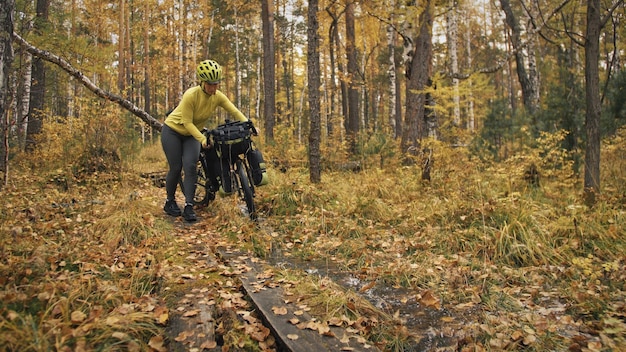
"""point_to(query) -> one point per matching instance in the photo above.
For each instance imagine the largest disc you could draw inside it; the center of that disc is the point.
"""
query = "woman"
(181, 137)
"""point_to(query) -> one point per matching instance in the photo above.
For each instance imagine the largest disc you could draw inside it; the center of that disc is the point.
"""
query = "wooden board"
(288, 336)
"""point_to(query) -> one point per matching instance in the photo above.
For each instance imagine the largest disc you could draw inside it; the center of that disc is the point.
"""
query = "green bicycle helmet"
(209, 71)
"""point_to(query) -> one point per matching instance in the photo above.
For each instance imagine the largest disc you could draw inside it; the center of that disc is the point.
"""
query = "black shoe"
(171, 208)
(189, 214)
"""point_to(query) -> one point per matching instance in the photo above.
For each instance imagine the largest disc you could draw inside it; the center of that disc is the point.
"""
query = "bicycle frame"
(240, 177)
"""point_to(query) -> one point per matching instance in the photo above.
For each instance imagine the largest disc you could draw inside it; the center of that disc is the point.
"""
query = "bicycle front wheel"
(246, 189)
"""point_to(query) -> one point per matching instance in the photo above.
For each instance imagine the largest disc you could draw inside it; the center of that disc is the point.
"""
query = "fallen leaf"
(191, 313)
(517, 334)
(120, 335)
(334, 321)
(323, 329)
(156, 343)
(44, 296)
(208, 345)
(261, 334)
(161, 315)
(77, 316)
(12, 315)
(184, 335)
(429, 299)
(279, 310)
(529, 340)
(292, 336)
(367, 286)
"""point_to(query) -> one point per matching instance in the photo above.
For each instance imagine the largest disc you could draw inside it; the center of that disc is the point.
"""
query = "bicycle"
(231, 143)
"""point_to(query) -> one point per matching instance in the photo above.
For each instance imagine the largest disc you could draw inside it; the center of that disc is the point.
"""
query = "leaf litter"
(93, 288)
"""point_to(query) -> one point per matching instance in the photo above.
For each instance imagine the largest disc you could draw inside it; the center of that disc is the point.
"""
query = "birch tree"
(452, 41)
(146, 65)
(23, 103)
(121, 47)
(394, 109)
(468, 59)
(525, 61)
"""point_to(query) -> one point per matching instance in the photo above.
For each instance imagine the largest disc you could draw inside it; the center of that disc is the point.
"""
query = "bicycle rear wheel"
(246, 188)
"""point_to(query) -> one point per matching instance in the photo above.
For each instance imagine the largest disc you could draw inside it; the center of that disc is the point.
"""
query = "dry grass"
(85, 257)
(492, 235)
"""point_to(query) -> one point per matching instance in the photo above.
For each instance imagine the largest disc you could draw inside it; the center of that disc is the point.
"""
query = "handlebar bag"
(232, 139)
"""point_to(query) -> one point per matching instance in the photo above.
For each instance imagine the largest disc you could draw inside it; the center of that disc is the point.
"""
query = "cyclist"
(181, 137)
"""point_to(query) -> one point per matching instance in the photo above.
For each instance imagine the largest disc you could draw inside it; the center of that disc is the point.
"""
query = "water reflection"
(432, 328)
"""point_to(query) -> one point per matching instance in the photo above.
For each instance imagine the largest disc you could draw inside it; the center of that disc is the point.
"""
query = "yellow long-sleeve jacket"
(195, 109)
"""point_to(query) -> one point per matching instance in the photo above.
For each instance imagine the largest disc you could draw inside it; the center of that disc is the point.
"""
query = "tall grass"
(475, 229)
(128, 221)
(73, 271)
(477, 233)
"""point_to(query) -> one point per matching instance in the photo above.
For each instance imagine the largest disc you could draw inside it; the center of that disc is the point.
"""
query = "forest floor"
(474, 259)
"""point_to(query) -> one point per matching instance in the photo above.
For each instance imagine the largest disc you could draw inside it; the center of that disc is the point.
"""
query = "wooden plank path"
(194, 332)
(288, 336)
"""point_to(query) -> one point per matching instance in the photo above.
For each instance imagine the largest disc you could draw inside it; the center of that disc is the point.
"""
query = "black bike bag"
(233, 138)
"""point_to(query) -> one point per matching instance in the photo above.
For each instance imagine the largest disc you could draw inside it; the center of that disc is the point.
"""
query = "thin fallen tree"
(66, 66)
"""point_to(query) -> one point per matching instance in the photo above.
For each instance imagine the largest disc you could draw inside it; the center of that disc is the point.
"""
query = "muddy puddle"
(432, 329)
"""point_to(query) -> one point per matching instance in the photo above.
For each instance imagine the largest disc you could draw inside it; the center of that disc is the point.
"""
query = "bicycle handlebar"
(248, 125)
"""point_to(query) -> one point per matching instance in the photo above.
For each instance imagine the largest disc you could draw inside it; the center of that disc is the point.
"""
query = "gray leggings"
(182, 153)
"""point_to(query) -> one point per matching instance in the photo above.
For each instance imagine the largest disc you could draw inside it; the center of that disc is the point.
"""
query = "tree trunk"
(38, 85)
(334, 43)
(470, 98)
(6, 60)
(146, 64)
(257, 108)
(23, 104)
(237, 60)
(352, 121)
(418, 74)
(391, 45)
(534, 82)
(592, 96)
(528, 79)
(313, 77)
(269, 70)
(452, 41)
(333, 88)
(121, 56)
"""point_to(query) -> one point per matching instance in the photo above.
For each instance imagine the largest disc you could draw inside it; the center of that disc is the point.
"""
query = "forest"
(444, 176)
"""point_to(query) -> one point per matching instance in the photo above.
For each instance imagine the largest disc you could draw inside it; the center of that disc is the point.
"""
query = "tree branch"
(62, 63)
(609, 13)
(537, 27)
